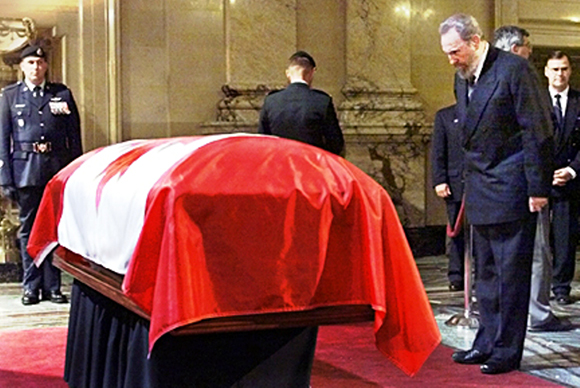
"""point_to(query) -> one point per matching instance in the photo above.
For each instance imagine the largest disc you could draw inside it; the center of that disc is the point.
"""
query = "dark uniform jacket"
(507, 138)
(38, 135)
(567, 141)
(304, 114)
(447, 153)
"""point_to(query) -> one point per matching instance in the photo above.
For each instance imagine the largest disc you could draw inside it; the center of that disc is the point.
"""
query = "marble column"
(260, 35)
(381, 116)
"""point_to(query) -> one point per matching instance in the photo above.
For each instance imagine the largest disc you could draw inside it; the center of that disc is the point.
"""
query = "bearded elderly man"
(508, 144)
(39, 135)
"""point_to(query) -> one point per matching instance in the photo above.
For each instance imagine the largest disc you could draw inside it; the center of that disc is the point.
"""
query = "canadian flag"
(223, 225)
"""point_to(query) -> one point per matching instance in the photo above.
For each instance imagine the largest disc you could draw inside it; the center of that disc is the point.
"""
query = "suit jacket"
(567, 151)
(447, 153)
(24, 120)
(508, 140)
(304, 114)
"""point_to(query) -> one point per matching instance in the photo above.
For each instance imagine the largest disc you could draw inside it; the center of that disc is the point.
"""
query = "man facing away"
(299, 112)
(565, 196)
(508, 144)
(541, 318)
(39, 135)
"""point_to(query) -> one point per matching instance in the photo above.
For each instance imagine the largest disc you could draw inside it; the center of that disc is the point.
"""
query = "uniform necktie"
(36, 92)
(558, 110)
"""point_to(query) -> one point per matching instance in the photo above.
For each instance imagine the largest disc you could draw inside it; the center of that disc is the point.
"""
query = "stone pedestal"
(381, 116)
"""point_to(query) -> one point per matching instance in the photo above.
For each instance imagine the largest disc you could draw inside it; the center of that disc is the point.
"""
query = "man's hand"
(8, 192)
(561, 176)
(443, 190)
(537, 203)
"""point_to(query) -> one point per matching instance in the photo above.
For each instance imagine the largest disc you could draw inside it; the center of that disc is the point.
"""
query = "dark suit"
(447, 167)
(304, 114)
(565, 201)
(38, 136)
(508, 146)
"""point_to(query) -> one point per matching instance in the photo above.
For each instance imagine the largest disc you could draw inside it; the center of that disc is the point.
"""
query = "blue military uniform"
(39, 135)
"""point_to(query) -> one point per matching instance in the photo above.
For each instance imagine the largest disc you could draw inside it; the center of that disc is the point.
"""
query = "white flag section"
(106, 229)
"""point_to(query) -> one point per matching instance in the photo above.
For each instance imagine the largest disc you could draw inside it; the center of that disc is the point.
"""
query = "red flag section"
(247, 224)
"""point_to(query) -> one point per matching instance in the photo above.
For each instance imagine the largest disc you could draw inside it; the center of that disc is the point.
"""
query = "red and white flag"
(215, 226)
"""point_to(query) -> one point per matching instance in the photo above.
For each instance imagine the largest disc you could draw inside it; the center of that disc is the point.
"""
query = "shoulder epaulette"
(10, 87)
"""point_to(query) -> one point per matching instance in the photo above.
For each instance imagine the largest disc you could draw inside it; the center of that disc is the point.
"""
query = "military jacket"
(38, 135)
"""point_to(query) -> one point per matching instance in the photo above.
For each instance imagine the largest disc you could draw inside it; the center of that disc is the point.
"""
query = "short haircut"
(558, 54)
(302, 59)
(506, 36)
(465, 25)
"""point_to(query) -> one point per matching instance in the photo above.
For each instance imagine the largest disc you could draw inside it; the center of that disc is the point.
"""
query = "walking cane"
(467, 318)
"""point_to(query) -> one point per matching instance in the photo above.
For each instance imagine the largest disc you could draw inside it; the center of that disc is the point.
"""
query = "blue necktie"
(558, 111)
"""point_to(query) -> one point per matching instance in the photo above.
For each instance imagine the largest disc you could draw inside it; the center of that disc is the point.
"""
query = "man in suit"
(516, 40)
(301, 113)
(447, 172)
(39, 135)
(565, 198)
(508, 145)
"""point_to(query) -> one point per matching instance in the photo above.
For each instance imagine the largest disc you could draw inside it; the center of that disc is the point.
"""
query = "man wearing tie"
(39, 135)
(508, 144)
(565, 196)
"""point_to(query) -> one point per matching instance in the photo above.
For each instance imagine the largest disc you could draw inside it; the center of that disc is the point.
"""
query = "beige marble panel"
(378, 42)
(93, 74)
(261, 35)
(551, 10)
(145, 28)
(321, 32)
(196, 66)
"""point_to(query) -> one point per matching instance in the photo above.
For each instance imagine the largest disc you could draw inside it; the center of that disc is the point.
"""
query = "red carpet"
(32, 358)
(345, 358)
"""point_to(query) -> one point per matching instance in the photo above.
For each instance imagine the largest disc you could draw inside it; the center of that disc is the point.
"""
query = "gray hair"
(465, 25)
(506, 36)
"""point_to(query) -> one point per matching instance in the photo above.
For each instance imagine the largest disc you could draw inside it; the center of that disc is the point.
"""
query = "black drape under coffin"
(107, 347)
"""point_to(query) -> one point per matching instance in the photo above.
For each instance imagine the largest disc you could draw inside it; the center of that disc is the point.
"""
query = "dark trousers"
(456, 248)
(503, 253)
(46, 277)
(564, 240)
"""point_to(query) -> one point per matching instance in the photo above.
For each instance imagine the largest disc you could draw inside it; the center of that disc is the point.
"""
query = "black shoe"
(29, 297)
(54, 297)
(456, 286)
(563, 299)
(554, 324)
(496, 367)
(472, 356)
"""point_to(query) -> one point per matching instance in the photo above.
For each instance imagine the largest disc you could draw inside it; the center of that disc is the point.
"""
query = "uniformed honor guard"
(301, 113)
(39, 135)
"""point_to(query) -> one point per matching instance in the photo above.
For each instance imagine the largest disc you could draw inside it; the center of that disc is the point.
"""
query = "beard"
(468, 70)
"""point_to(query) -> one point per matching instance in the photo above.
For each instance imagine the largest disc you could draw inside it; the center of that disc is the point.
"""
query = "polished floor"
(552, 356)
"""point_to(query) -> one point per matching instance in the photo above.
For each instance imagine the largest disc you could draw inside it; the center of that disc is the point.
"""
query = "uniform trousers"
(46, 277)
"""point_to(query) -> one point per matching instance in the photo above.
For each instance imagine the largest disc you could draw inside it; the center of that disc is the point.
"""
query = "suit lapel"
(569, 119)
(484, 89)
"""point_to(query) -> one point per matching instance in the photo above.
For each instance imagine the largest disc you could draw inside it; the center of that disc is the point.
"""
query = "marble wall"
(144, 69)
